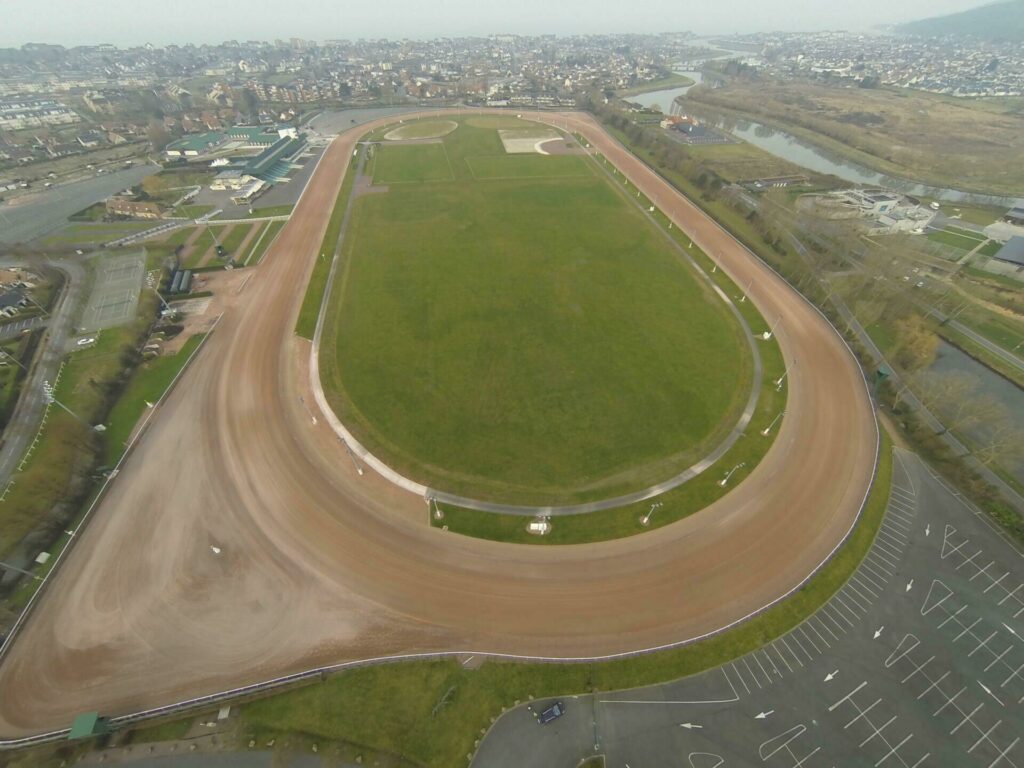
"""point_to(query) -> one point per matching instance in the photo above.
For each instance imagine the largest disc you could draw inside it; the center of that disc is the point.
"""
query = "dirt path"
(238, 542)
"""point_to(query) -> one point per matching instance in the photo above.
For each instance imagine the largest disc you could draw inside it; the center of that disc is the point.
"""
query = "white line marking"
(847, 696)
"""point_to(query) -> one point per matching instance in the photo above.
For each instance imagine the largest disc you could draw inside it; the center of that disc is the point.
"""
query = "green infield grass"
(399, 163)
(533, 340)
(421, 129)
(528, 166)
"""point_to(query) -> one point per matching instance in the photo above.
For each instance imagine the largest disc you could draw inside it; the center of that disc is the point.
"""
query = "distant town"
(57, 101)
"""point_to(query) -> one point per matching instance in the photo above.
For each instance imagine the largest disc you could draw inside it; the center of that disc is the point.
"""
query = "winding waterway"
(811, 157)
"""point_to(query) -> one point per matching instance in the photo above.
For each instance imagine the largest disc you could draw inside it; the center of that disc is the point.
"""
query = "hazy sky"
(128, 22)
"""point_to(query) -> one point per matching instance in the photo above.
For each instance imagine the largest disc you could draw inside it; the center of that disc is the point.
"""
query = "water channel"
(811, 157)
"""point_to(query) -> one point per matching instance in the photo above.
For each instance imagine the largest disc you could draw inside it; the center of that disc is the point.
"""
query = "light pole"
(4, 354)
(746, 290)
(779, 381)
(730, 473)
(646, 519)
(151, 284)
(767, 335)
(37, 304)
(48, 395)
(767, 430)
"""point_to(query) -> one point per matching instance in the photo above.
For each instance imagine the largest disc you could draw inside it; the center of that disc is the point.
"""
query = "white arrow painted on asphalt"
(763, 715)
(878, 632)
(909, 585)
(1011, 629)
(690, 726)
(927, 530)
(988, 690)
(831, 675)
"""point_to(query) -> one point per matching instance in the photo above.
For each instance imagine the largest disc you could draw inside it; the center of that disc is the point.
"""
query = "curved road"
(318, 565)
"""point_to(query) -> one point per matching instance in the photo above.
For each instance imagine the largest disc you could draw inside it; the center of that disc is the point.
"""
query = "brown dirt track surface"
(321, 566)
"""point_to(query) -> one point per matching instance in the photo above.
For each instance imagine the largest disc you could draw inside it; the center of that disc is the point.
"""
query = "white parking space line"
(847, 696)
(737, 672)
(769, 659)
(866, 584)
(820, 636)
(809, 639)
(763, 670)
(893, 750)
(825, 627)
(792, 652)
(856, 596)
(783, 658)
(839, 599)
(983, 644)
(752, 675)
(862, 712)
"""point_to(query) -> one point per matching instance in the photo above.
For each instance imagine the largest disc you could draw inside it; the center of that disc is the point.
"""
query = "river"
(813, 158)
(951, 360)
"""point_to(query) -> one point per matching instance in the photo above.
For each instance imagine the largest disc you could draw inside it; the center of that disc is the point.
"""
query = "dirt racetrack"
(319, 565)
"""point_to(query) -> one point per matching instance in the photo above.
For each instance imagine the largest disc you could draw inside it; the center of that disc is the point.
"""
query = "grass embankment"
(193, 211)
(285, 210)
(93, 234)
(392, 708)
(147, 384)
(55, 475)
(744, 162)
(528, 340)
(262, 242)
(305, 326)
(662, 83)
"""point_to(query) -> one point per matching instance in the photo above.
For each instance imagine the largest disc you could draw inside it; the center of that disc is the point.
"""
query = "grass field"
(391, 708)
(401, 163)
(743, 162)
(532, 340)
(672, 81)
(930, 138)
(421, 129)
(676, 504)
(527, 166)
(956, 238)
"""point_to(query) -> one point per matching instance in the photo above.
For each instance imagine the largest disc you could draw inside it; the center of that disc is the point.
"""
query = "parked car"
(553, 712)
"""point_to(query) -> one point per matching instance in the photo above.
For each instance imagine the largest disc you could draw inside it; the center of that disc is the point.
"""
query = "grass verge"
(147, 384)
(430, 712)
(306, 324)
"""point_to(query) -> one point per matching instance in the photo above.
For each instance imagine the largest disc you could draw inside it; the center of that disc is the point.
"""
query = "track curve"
(319, 565)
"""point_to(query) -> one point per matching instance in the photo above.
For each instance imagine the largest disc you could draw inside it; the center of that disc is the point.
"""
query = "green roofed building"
(88, 725)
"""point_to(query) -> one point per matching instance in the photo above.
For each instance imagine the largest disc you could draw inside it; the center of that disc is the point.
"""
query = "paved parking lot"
(917, 661)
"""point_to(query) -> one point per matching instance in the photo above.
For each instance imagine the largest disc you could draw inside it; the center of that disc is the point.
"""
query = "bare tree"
(1003, 442)
(916, 344)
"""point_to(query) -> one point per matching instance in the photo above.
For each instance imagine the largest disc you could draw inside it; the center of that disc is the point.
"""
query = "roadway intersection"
(917, 661)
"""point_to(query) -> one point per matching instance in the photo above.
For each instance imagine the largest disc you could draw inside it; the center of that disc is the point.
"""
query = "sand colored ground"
(318, 565)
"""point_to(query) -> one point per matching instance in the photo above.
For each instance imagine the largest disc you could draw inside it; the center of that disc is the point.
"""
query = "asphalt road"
(238, 542)
(50, 209)
(917, 661)
(24, 422)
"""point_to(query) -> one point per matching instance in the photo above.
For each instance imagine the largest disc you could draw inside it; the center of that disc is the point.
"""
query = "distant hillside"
(997, 21)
